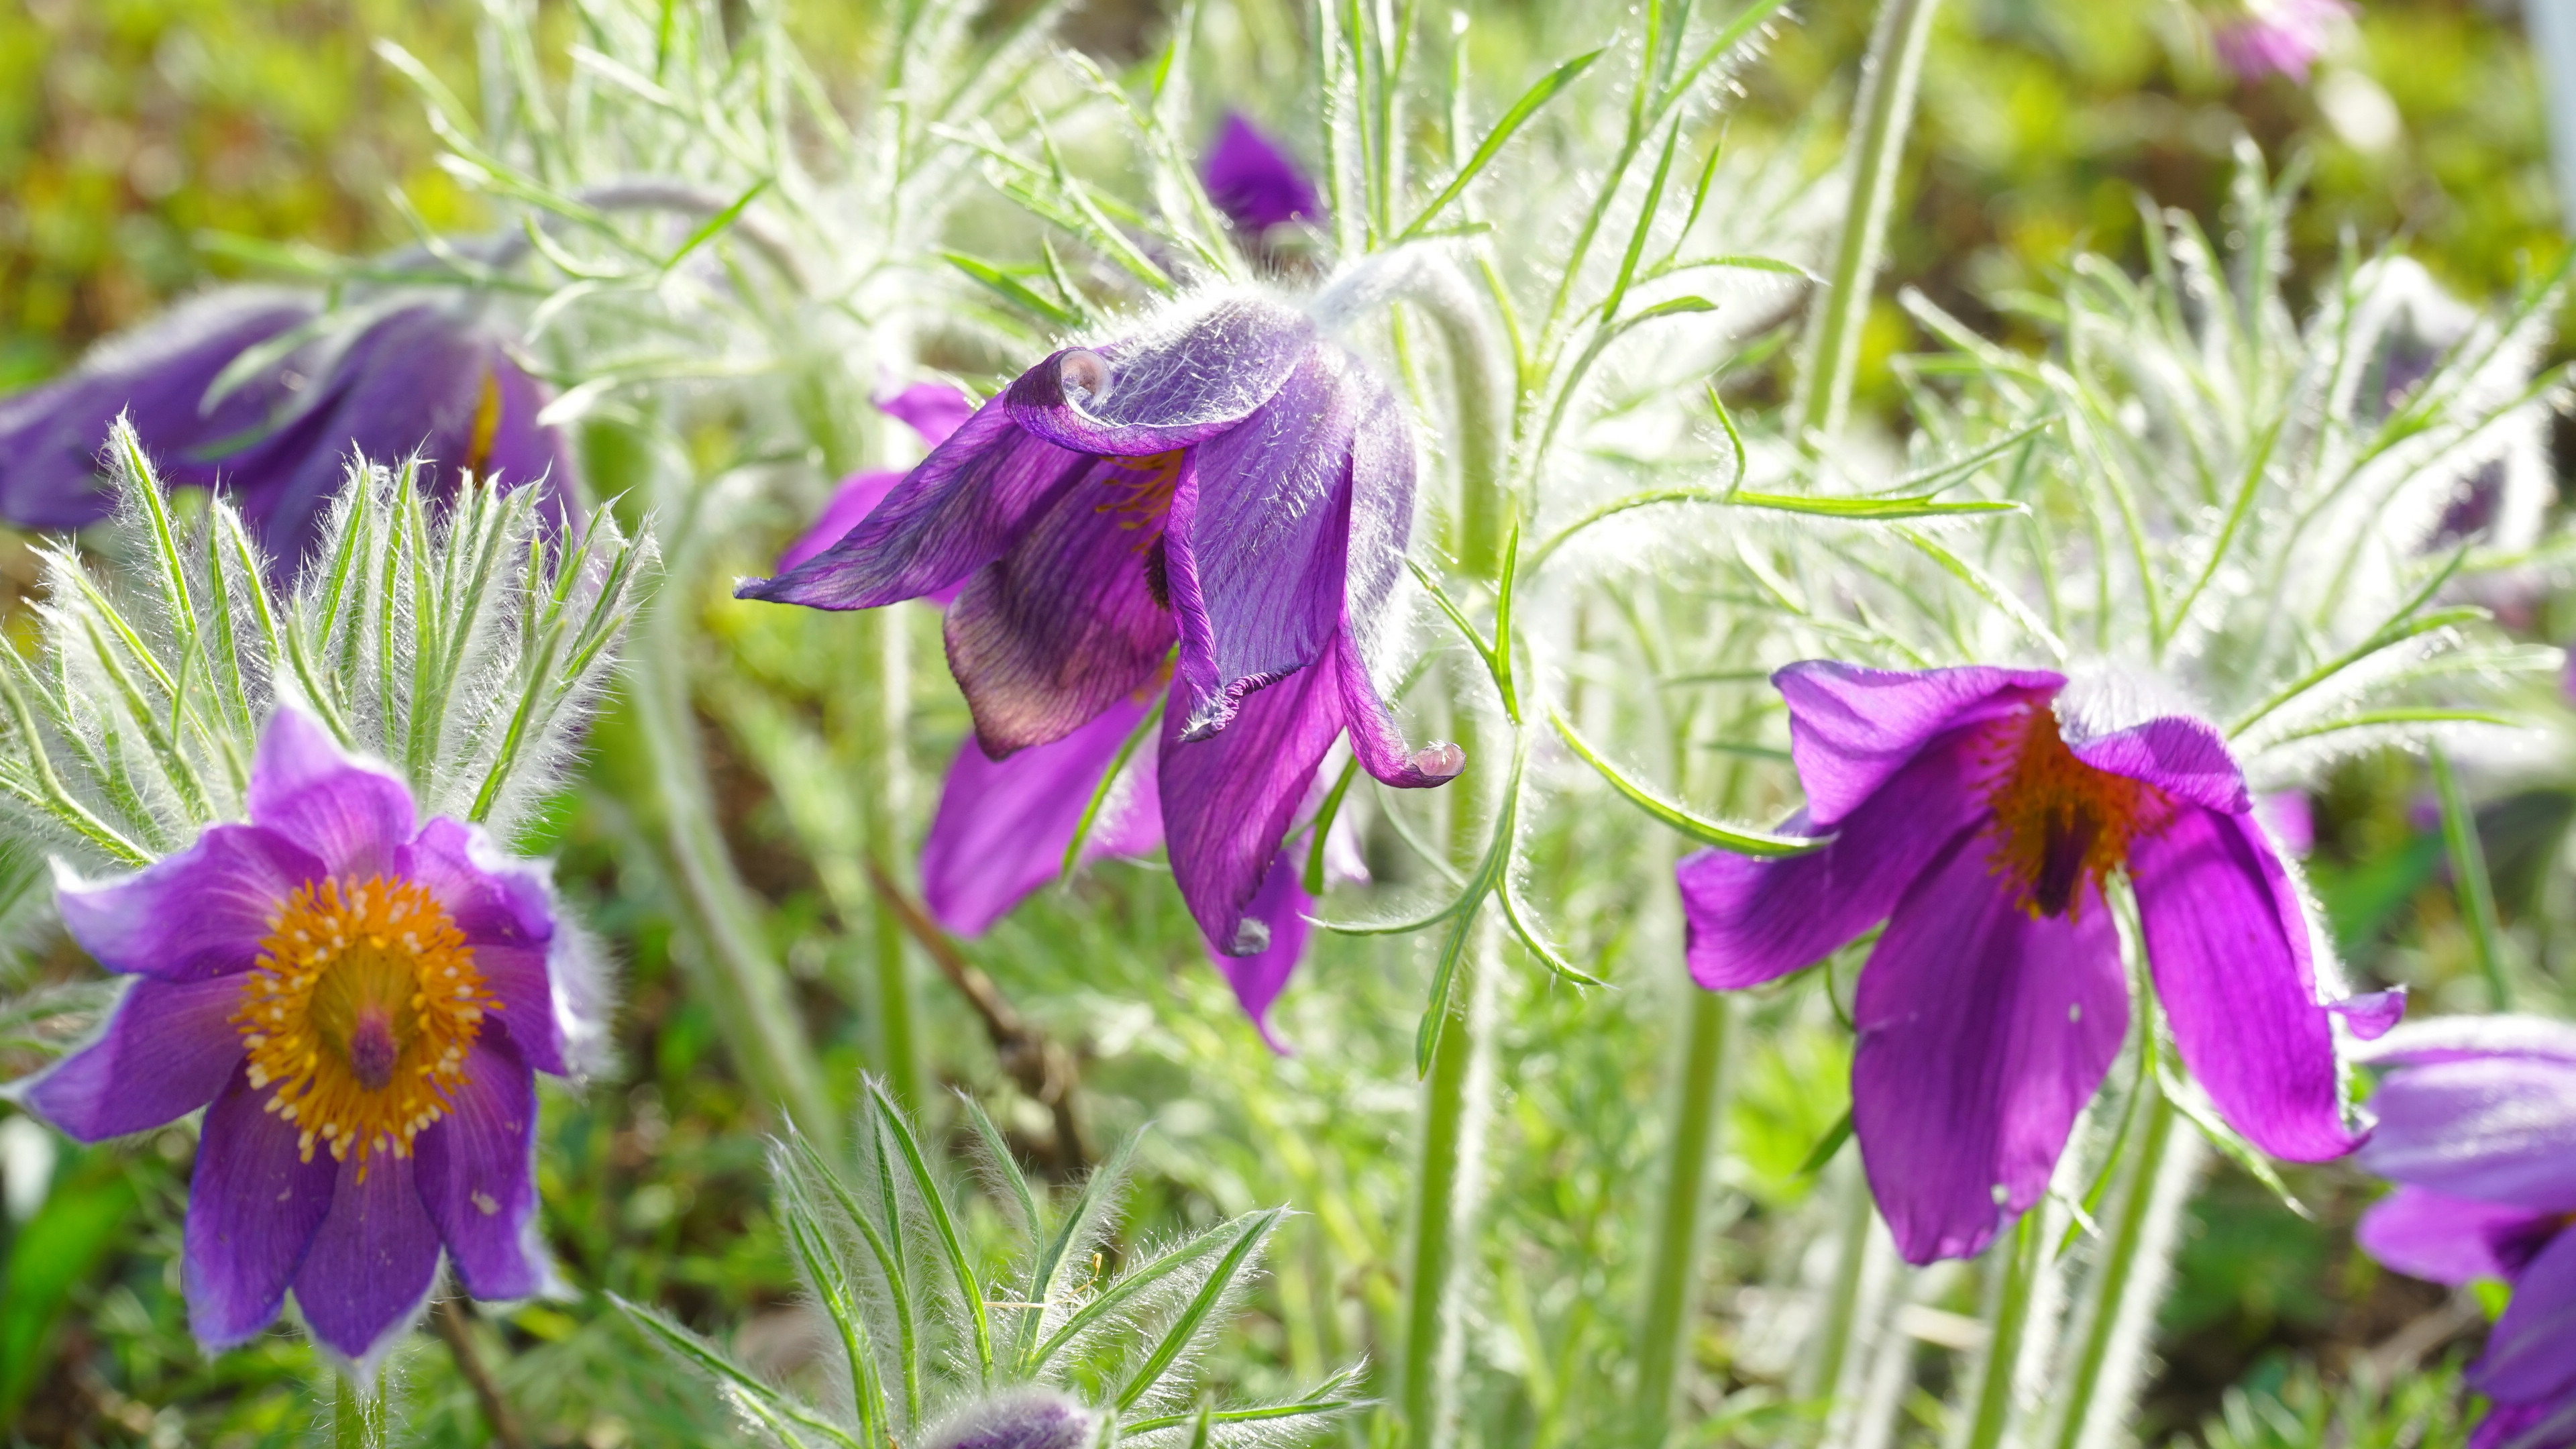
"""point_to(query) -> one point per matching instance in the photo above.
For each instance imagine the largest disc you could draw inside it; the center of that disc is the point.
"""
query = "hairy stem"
(358, 1419)
(2129, 1275)
(885, 793)
(2469, 875)
(1886, 111)
(2021, 1269)
(1672, 1286)
(1482, 382)
(1830, 1359)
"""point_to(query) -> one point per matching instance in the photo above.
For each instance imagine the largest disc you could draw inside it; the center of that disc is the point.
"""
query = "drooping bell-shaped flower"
(1253, 182)
(2477, 1126)
(2276, 37)
(1225, 495)
(359, 999)
(407, 377)
(1979, 818)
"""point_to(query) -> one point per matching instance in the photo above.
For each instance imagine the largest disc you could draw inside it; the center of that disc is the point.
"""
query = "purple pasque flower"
(413, 376)
(2276, 37)
(2477, 1126)
(1253, 182)
(359, 999)
(1003, 826)
(1226, 495)
(1969, 811)
(932, 410)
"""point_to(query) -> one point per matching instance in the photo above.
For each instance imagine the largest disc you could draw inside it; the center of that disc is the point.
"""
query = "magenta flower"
(2277, 37)
(1253, 182)
(1979, 823)
(1229, 482)
(2477, 1126)
(420, 377)
(359, 1000)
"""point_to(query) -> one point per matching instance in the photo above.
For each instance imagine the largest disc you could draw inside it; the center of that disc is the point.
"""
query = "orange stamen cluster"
(359, 1013)
(2059, 822)
(1143, 489)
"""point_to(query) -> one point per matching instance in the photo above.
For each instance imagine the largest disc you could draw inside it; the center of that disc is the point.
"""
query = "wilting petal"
(372, 1263)
(1258, 528)
(253, 1210)
(1228, 801)
(1200, 370)
(2531, 1354)
(505, 910)
(1983, 1032)
(2186, 758)
(305, 787)
(1281, 904)
(2501, 1129)
(475, 1175)
(1002, 825)
(1253, 182)
(1065, 625)
(165, 1052)
(2465, 1038)
(1750, 921)
(1851, 728)
(200, 913)
(2229, 952)
(2436, 1236)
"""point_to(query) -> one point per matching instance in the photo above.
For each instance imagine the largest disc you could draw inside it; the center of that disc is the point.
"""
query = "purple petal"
(2229, 952)
(253, 1210)
(957, 510)
(1065, 625)
(197, 914)
(2465, 1038)
(505, 910)
(2372, 1015)
(2531, 1354)
(932, 409)
(165, 1052)
(1202, 368)
(1228, 801)
(1253, 182)
(1257, 979)
(476, 1174)
(1375, 737)
(2186, 758)
(372, 1264)
(2502, 1130)
(2550, 1424)
(1002, 825)
(1983, 1032)
(1258, 529)
(855, 499)
(1751, 921)
(306, 788)
(2436, 1236)
(2287, 815)
(1851, 728)
(1379, 529)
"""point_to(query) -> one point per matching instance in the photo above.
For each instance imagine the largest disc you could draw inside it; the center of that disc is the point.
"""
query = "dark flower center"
(2059, 822)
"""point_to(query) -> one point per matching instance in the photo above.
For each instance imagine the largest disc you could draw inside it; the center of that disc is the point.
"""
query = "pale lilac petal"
(2462, 1038)
(1257, 979)
(1256, 541)
(932, 409)
(1228, 801)
(372, 1264)
(2230, 955)
(1983, 1032)
(165, 1052)
(1851, 728)
(2441, 1238)
(504, 908)
(2287, 815)
(1750, 921)
(2500, 1129)
(1253, 182)
(476, 1174)
(1002, 825)
(2531, 1354)
(2372, 1015)
(305, 787)
(200, 913)
(2186, 758)
(253, 1210)
(1065, 625)
(1197, 372)
(957, 510)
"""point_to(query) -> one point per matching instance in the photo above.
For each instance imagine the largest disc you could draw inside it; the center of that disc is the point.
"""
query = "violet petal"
(2439, 1237)
(1851, 728)
(1228, 801)
(1200, 369)
(200, 913)
(165, 1051)
(305, 787)
(476, 1174)
(1002, 825)
(2531, 1353)
(2184, 757)
(1253, 182)
(2500, 1129)
(504, 908)
(1258, 979)
(373, 1262)
(253, 1210)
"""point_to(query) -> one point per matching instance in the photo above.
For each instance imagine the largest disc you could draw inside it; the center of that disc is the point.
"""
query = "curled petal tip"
(1440, 762)
(1251, 938)
(1084, 378)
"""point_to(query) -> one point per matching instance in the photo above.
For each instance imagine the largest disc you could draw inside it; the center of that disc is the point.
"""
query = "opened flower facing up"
(1254, 183)
(2277, 37)
(2477, 1126)
(416, 377)
(1221, 500)
(359, 1000)
(1979, 816)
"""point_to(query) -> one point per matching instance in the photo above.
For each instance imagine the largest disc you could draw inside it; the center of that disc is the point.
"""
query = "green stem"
(1843, 1300)
(2469, 876)
(2130, 1254)
(2003, 1344)
(1672, 1289)
(1888, 77)
(884, 769)
(1482, 395)
(358, 1419)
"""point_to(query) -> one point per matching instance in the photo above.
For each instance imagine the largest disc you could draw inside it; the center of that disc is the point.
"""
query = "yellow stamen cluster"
(1143, 489)
(2059, 822)
(359, 1014)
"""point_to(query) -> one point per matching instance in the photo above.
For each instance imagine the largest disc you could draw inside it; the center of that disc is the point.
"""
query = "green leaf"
(1202, 1305)
(1740, 840)
(1012, 290)
(891, 1122)
(2190, 1102)
(1827, 1146)
(1527, 106)
(712, 1361)
(1322, 829)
